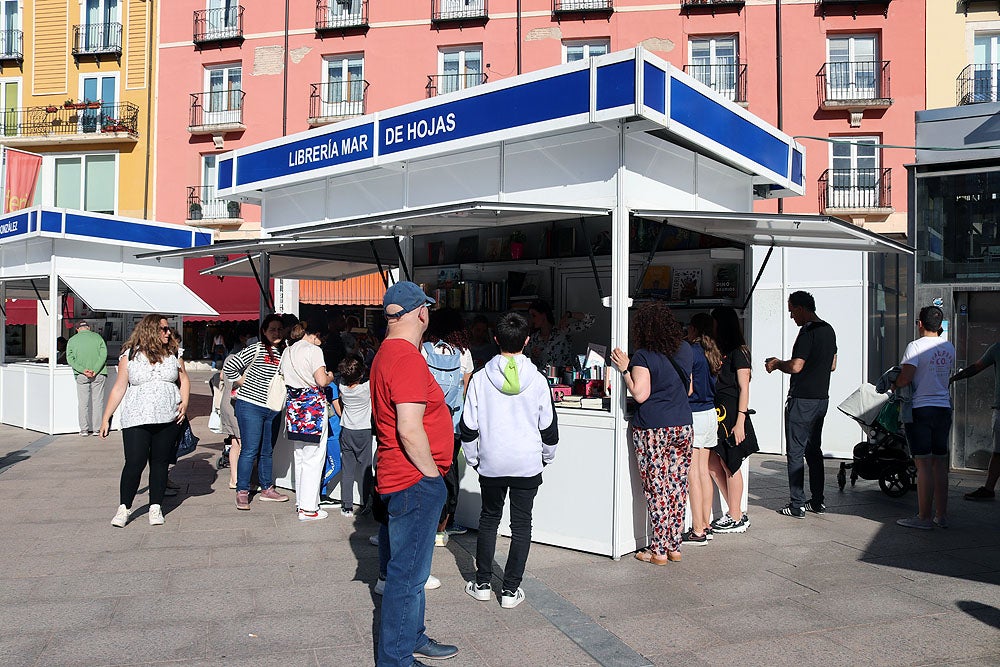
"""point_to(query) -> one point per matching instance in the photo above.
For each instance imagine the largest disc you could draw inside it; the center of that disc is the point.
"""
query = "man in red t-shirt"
(415, 436)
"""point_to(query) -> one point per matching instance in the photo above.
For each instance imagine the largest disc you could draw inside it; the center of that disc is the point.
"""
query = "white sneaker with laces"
(313, 516)
(509, 600)
(481, 592)
(432, 583)
(379, 586)
(155, 515)
(121, 517)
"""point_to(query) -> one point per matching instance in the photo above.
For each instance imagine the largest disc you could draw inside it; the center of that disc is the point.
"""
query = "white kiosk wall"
(837, 279)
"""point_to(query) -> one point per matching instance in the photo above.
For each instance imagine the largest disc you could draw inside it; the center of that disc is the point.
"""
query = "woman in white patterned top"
(255, 366)
(550, 345)
(152, 389)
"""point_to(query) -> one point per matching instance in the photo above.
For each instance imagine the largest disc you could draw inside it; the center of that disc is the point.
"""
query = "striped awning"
(360, 291)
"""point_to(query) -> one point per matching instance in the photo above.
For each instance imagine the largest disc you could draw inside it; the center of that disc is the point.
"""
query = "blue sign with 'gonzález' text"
(14, 225)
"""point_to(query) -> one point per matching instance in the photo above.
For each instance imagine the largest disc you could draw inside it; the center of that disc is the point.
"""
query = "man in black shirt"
(814, 357)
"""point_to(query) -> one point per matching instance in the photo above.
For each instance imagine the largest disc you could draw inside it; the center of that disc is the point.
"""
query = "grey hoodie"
(509, 428)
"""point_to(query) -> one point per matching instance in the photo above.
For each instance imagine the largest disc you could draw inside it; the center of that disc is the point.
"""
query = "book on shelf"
(685, 283)
(656, 282)
(593, 403)
(725, 280)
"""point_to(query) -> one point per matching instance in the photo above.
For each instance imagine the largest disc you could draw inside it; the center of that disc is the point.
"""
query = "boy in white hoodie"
(509, 434)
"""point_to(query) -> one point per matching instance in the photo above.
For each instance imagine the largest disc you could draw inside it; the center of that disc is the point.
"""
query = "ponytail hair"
(704, 325)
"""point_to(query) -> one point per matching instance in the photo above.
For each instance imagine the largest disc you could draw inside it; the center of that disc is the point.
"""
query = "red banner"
(22, 175)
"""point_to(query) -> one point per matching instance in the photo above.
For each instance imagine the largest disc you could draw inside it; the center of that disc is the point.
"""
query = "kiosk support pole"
(402, 258)
(378, 262)
(756, 280)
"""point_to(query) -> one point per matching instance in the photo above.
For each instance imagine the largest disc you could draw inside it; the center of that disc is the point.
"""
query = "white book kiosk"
(605, 147)
(48, 253)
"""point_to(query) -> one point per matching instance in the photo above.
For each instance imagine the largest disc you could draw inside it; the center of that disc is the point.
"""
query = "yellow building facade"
(963, 52)
(76, 82)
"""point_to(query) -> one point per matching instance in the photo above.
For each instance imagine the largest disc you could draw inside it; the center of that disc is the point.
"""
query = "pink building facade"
(852, 71)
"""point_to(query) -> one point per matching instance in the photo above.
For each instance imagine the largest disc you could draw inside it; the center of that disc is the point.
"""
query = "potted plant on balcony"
(51, 108)
(517, 239)
(234, 209)
(92, 104)
(194, 211)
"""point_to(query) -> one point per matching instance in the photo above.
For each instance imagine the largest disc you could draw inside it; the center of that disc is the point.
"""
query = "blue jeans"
(259, 429)
(413, 519)
(804, 440)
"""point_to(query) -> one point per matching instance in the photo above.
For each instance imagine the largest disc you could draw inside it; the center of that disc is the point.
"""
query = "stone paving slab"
(219, 587)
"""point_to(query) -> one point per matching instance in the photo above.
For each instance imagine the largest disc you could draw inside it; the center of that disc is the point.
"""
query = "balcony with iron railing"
(712, 5)
(858, 85)
(97, 39)
(204, 208)
(11, 46)
(78, 122)
(858, 191)
(729, 80)
(442, 84)
(852, 6)
(222, 24)
(582, 6)
(216, 112)
(443, 11)
(978, 83)
(336, 100)
(341, 14)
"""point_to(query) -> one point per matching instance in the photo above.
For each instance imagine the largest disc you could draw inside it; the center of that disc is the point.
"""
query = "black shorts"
(929, 432)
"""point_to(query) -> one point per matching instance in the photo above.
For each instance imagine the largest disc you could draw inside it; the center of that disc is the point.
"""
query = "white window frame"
(347, 105)
(854, 89)
(854, 186)
(230, 114)
(48, 175)
(221, 29)
(587, 44)
(986, 73)
(716, 79)
(212, 208)
(462, 73)
(109, 108)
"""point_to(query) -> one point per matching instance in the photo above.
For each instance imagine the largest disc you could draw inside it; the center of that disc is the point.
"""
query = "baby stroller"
(215, 420)
(885, 455)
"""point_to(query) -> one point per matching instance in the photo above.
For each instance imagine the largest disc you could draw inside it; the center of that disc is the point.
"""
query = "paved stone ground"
(217, 587)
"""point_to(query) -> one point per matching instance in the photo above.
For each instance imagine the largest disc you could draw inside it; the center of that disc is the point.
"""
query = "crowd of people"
(436, 388)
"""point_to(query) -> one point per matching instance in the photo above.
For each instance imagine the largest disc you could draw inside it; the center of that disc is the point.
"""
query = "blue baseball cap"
(407, 295)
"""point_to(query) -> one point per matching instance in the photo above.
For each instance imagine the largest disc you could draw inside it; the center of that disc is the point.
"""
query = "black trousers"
(451, 483)
(522, 499)
(148, 443)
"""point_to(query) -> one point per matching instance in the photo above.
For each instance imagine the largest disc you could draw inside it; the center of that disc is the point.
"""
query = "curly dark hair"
(655, 329)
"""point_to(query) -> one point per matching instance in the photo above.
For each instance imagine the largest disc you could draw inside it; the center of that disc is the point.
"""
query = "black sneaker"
(694, 539)
(735, 526)
(789, 510)
(327, 501)
(815, 508)
(709, 533)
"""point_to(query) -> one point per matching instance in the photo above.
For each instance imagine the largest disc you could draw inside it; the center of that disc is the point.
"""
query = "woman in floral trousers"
(658, 376)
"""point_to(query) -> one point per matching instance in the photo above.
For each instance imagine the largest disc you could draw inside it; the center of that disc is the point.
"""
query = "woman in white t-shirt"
(927, 364)
(305, 374)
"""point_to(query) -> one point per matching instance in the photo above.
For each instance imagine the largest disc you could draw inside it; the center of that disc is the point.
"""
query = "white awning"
(137, 296)
(788, 230)
(297, 268)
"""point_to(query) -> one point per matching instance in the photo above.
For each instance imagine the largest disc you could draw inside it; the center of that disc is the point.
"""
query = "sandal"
(647, 556)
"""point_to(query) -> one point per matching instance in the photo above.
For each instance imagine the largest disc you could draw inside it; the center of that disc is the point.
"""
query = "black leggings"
(152, 443)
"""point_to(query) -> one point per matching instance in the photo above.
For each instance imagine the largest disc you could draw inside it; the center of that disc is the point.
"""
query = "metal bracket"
(649, 258)
(264, 292)
(39, 295)
(378, 262)
(757, 279)
(402, 262)
(590, 254)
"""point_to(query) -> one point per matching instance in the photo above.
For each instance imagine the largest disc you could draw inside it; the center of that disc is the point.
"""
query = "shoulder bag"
(277, 394)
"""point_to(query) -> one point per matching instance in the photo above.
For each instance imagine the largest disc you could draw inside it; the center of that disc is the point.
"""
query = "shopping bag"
(215, 422)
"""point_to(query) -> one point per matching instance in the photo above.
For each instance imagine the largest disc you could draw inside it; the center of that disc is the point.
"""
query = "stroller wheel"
(895, 482)
(842, 477)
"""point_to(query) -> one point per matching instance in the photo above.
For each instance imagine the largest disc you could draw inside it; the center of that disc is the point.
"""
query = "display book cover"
(685, 283)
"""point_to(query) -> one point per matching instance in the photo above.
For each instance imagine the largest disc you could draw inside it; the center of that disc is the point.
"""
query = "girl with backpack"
(450, 362)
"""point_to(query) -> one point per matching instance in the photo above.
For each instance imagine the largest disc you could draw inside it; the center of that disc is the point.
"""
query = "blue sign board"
(14, 225)
(326, 150)
(504, 109)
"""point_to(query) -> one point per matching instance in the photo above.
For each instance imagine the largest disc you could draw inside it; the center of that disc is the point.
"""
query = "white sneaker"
(121, 517)
(509, 600)
(373, 540)
(481, 592)
(379, 586)
(441, 539)
(155, 515)
(313, 516)
(916, 522)
(432, 583)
